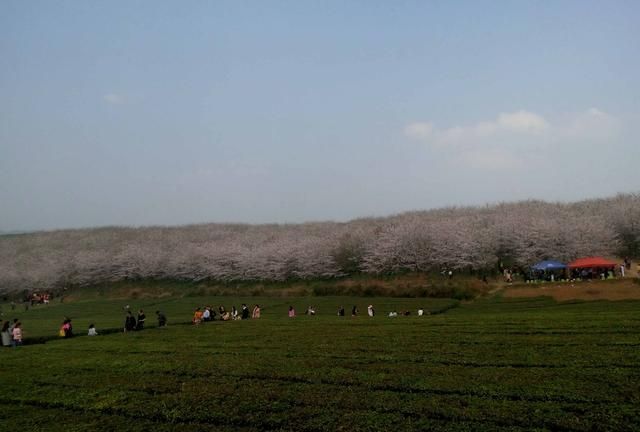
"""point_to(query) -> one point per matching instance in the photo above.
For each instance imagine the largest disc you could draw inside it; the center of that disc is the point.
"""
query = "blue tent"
(549, 265)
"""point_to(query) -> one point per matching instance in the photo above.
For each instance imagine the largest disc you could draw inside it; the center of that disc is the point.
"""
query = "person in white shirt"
(420, 312)
(92, 330)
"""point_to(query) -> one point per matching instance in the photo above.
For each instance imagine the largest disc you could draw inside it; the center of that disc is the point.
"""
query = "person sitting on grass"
(6, 335)
(92, 330)
(354, 311)
(17, 335)
(197, 317)
(67, 328)
(245, 312)
(206, 315)
(234, 313)
(341, 311)
(292, 312)
(129, 322)
(162, 319)
(256, 312)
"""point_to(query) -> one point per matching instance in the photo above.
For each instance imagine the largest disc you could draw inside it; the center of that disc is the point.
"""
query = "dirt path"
(623, 289)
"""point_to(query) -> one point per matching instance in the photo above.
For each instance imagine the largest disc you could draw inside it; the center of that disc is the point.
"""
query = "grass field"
(493, 364)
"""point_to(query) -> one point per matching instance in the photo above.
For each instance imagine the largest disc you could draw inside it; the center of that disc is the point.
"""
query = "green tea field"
(493, 364)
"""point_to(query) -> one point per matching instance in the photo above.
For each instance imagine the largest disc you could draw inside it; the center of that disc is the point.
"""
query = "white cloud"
(512, 139)
(591, 125)
(419, 130)
(522, 121)
(113, 98)
(517, 123)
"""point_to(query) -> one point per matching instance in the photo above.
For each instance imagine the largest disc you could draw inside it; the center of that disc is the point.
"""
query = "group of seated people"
(207, 314)
(394, 314)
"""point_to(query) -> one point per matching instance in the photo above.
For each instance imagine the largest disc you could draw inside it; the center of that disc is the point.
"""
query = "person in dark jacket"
(129, 323)
(141, 318)
(245, 311)
(162, 319)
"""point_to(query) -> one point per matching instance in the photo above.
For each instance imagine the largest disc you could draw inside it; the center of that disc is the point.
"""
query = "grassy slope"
(495, 364)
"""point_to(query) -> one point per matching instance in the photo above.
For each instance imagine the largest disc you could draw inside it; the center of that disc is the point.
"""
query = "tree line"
(474, 239)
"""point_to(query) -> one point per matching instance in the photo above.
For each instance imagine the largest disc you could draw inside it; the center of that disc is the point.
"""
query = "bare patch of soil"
(624, 289)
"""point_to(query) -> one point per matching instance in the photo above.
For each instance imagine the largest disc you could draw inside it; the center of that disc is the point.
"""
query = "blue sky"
(146, 112)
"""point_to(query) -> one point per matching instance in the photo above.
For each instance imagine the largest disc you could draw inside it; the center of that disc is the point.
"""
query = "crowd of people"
(207, 313)
(371, 312)
(136, 323)
(12, 331)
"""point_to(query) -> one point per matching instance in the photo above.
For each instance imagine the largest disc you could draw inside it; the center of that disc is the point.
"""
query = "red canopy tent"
(591, 262)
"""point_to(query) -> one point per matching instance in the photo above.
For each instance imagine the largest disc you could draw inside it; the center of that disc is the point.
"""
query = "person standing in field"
(6, 336)
(141, 318)
(162, 319)
(129, 322)
(256, 312)
(17, 334)
(370, 311)
(292, 312)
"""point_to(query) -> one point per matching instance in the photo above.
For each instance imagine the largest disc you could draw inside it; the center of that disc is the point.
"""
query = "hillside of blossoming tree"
(460, 238)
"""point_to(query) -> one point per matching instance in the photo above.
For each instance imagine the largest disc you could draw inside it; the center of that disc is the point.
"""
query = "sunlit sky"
(168, 112)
